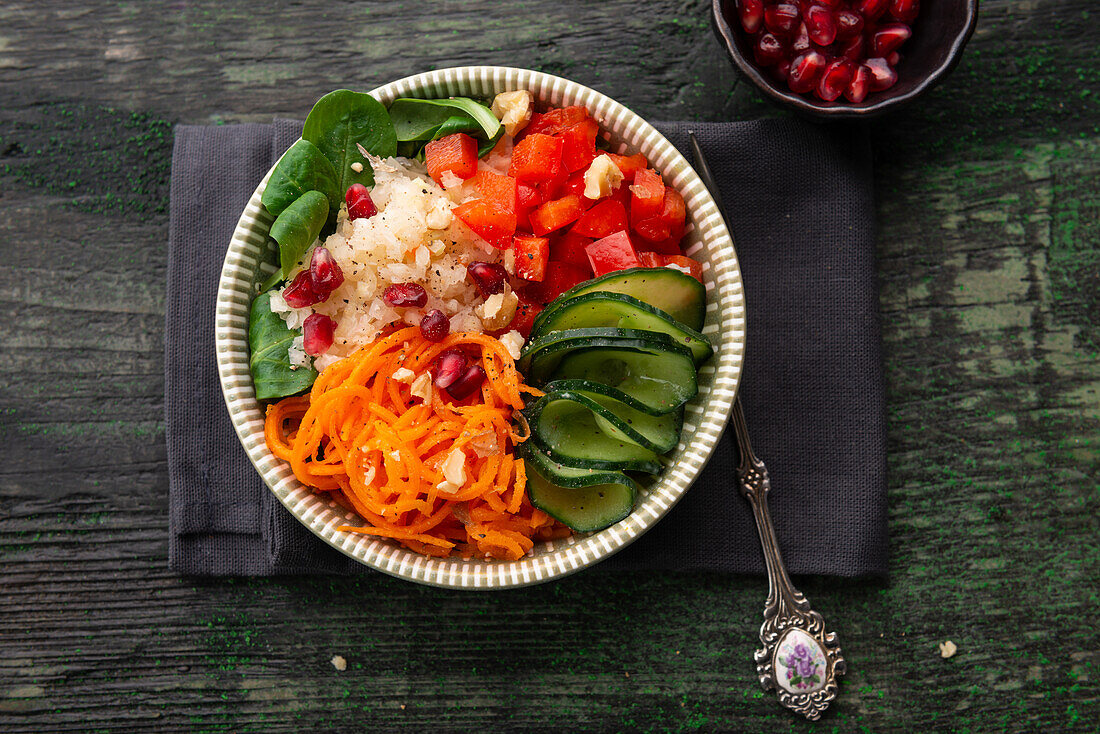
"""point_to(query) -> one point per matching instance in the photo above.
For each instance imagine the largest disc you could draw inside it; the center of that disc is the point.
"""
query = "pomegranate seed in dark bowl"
(811, 54)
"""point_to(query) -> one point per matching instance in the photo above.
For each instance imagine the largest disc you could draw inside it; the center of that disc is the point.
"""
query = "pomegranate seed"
(801, 40)
(751, 13)
(435, 326)
(407, 295)
(768, 50)
(449, 366)
(360, 205)
(893, 59)
(805, 68)
(872, 9)
(888, 37)
(853, 51)
(859, 86)
(781, 19)
(300, 293)
(834, 80)
(848, 25)
(904, 10)
(317, 332)
(820, 25)
(488, 277)
(829, 3)
(883, 75)
(781, 70)
(470, 381)
(325, 272)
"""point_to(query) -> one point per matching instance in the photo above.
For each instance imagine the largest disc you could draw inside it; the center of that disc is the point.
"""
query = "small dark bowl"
(940, 32)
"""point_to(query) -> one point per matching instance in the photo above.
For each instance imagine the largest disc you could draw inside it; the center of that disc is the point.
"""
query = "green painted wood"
(989, 223)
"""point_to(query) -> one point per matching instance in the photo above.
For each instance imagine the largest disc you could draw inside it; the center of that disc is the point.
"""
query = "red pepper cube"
(554, 121)
(630, 165)
(574, 184)
(651, 259)
(493, 215)
(524, 319)
(647, 196)
(556, 214)
(536, 158)
(603, 219)
(527, 198)
(568, 247)
(668, 246)
(685, 265)
(668, 224)
(579, 145)
(488, 222)
(614, 252)
(455, 153)
(558, 278)
(553, 188)
(531, 256)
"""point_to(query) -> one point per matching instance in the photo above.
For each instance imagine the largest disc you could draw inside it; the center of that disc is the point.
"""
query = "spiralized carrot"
(362, 437)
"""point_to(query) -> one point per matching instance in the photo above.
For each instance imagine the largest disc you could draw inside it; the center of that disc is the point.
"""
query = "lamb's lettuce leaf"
(269, 340)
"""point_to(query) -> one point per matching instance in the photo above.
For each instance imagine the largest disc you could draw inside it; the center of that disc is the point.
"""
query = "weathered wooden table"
(989, 211)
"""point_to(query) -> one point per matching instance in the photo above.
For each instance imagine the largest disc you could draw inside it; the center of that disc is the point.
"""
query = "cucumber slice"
(566, 428)
(658, 433)
(677, 294)
(602, 389)
(603, 308)
(584, 509)
(661, 381)
(567, 476)
(541, 356)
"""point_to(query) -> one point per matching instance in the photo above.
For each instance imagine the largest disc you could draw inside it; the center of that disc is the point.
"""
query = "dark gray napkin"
(803, 220)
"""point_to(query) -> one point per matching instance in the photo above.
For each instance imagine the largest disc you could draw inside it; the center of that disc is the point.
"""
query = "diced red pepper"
(493, 216)
(651, 259)
(559, 278)
(685, 264)
(574, 184)
(579, 144)
(536, 158)
(556, 214)
(629, 165)
(647, 196)
(668, 224)
(614, 252)
(489, 222)
(455, 153)
(669, 246)
(554, 121)
(527, 198)
(603, 219)
(568, 247)
(524, 319)
(531, 256)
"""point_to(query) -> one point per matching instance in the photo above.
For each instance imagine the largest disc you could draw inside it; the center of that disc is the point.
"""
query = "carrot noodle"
(376, 449)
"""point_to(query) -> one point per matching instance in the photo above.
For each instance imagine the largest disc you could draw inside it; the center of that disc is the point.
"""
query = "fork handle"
(799, 660)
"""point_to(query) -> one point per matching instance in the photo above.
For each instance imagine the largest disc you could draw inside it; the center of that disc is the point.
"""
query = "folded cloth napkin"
(800, 198)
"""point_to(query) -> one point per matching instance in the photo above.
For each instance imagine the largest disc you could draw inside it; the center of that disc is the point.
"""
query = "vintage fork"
(799, 660)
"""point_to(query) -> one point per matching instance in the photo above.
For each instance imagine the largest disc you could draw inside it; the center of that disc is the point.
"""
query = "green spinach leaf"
(343, 120)
(268, 340)
(302, 168)
(428, 119)
(296, 229)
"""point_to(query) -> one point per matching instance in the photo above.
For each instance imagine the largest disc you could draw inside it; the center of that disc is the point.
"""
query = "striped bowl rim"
(705, 417)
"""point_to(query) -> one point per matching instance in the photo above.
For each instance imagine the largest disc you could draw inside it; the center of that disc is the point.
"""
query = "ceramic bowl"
(940, 32)
(706, 416)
